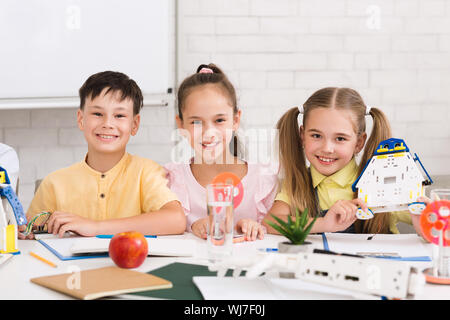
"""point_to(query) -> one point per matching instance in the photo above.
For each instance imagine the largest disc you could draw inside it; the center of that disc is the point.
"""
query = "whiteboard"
(48, 48)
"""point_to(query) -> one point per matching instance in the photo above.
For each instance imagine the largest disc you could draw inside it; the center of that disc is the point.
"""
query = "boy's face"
(107, 122)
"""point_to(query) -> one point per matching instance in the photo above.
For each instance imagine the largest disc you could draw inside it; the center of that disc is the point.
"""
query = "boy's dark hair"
(115, 82)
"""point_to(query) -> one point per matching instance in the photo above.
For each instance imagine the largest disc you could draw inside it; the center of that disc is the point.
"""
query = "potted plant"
(296, 232)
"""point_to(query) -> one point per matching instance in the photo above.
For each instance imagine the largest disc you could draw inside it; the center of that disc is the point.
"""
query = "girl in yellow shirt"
(332, 134)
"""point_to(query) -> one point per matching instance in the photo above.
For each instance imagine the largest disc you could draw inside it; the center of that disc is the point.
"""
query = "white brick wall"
(396, 53)
(48, 139)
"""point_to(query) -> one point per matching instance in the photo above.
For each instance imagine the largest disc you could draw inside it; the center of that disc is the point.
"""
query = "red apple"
(128, 249)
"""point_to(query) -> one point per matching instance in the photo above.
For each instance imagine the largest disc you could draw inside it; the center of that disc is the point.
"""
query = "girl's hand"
(251, 229)
(60, 222)
(199, 228)
(342, 214)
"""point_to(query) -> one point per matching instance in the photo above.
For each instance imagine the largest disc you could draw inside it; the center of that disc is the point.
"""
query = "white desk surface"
(15, 274)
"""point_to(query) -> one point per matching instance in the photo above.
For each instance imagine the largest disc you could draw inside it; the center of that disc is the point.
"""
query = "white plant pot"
(288, 247)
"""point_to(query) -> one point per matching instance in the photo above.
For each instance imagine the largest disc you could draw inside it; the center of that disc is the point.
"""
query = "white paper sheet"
(72, 246)
(241, 288)
(403, 245)
(156, 246)
(61, 245)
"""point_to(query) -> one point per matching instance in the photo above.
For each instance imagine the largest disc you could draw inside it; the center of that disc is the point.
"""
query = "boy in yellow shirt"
(111, 190)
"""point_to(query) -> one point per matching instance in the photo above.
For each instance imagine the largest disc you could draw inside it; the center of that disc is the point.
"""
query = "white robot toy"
(391, 180)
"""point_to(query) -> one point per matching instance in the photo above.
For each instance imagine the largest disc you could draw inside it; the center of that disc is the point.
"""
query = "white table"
(16, 273)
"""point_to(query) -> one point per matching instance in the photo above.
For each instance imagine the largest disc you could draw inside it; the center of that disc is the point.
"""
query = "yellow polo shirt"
(330, 189)
(133, 186)
(338, 186)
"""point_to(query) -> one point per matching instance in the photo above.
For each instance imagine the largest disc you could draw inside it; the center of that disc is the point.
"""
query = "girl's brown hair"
(216, 77)
(297, 179)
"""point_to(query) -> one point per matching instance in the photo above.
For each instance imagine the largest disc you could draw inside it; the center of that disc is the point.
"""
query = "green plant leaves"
(296, 231)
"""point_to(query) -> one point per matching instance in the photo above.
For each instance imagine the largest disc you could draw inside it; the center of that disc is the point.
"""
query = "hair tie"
(206, 70)
(368, 111)
(300, 109)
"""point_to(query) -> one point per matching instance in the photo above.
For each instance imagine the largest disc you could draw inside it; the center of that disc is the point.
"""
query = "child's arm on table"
(342, 214)
(250, 228)
(170, 219)
(339, 217)
(281, 210)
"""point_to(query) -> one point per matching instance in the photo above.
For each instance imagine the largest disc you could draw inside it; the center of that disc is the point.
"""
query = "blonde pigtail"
(297, 181)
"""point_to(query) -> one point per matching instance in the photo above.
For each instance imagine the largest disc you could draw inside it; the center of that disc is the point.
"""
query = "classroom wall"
(49, 139)
(396, 53)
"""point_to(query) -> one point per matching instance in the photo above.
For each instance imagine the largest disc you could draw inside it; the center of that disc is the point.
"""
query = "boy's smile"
(106, 138)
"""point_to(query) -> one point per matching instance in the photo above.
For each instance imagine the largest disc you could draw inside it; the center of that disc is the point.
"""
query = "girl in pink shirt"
(208, 117)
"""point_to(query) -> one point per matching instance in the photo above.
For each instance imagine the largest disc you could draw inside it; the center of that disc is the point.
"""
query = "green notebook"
(180, 274)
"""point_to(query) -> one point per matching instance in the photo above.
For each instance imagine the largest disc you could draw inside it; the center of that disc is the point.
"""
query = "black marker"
(337, 254)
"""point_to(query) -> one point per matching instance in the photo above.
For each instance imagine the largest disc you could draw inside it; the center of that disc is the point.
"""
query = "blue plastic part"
(6, 175)
(412, 207)
(420, 162)
(389, 145)
(11, 196)
(359, 177)
(369, 211)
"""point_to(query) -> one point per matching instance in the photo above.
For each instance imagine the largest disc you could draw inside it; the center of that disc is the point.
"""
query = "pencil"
(43, 260)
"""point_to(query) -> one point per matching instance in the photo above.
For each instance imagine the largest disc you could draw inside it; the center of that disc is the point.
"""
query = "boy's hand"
(21, 236)
(61, 222)
(251, 229)
(342, 214)
(199, 228)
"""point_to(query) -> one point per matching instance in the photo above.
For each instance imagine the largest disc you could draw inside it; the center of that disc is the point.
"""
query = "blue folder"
(72, 257)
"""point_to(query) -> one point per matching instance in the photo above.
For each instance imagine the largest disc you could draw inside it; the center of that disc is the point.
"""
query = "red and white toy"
(435, 226)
